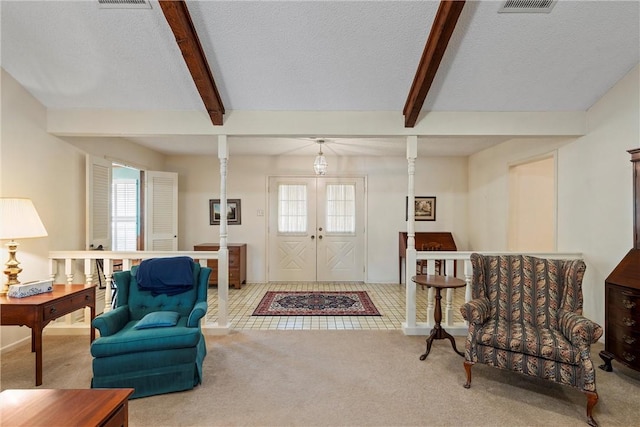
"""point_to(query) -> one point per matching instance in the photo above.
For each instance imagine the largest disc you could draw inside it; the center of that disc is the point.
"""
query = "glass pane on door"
(292, 208)
(341, 208)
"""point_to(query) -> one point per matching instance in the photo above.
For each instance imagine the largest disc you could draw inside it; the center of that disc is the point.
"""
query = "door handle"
(313, 237)
(320, 237)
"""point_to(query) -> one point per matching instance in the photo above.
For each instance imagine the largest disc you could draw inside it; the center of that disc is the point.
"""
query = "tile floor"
(389, 299)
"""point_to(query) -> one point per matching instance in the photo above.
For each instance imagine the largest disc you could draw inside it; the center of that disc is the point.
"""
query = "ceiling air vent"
(124, 4)
(527, 6)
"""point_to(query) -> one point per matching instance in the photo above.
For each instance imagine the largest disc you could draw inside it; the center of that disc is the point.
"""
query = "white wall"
(488, 196)
(120, 150)
(47, 170)
(594, 188)
(50, 171)
(532, 206)
(595, 191)
(199, 181)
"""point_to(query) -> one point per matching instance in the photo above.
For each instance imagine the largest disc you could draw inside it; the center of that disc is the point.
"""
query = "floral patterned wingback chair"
(526, 316)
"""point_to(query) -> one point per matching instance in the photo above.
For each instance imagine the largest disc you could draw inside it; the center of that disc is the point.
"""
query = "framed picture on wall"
(233, 211)
(425, 208)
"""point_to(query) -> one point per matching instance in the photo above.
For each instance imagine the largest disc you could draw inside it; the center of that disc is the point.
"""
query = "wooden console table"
(40, 407)
(38, 310)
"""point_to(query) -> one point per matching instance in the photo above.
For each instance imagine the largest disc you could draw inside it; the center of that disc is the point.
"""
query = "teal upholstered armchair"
(526, 316)
(152, 341)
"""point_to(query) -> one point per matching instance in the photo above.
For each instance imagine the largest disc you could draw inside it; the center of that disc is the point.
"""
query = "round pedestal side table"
(438, 282)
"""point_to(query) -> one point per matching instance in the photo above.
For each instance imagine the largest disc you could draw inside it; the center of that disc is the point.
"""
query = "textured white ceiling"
(71, 54)
(319, 56)
(316, 55)
(561, 61)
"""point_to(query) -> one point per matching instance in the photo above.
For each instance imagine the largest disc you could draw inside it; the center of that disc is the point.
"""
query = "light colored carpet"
(341, 378)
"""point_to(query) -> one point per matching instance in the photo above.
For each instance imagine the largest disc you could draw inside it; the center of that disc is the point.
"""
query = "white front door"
(316, 230)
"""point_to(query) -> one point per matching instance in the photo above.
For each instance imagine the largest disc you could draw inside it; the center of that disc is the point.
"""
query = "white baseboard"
(65, 329)
(215, 329)
(15, 344)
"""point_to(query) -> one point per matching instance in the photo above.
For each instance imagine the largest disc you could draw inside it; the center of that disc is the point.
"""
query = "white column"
(223, 252)
(410, 265)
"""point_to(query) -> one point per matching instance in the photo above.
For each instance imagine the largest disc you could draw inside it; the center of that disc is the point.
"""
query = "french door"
(316, 229)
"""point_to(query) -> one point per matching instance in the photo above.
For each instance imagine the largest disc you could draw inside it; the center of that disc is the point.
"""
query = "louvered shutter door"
(98, 206)
(162, 211)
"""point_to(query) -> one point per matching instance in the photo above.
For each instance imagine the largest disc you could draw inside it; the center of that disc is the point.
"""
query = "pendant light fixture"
(320, 164)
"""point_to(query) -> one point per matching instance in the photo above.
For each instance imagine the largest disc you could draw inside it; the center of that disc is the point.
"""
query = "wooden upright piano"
(445, 238)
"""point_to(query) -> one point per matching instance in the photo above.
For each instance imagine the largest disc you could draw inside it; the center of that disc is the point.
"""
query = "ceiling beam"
(443, 25)
(179, 20)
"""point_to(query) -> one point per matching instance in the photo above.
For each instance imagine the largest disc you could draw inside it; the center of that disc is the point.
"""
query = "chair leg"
(467, 368)
(592, 399)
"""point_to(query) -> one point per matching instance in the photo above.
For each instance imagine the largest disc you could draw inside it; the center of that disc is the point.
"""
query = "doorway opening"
(532, 206)
(126, 220)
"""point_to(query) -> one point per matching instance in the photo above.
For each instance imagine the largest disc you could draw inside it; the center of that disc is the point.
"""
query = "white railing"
(82, 267)
(457, 264)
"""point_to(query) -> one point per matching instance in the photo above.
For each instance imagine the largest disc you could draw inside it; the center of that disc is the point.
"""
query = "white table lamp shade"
(19, 219)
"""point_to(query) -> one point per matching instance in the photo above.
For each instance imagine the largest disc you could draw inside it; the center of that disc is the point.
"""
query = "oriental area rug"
(301, 303)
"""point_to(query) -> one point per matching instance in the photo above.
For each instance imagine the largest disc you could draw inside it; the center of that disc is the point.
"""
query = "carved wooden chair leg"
(467, 368)
(592, 399)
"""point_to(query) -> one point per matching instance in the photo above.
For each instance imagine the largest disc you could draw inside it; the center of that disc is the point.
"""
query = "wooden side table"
(439, 283)
(85, 407)
(38, 310)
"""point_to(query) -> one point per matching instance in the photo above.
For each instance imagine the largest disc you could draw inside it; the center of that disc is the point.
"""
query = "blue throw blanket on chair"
(170, 276)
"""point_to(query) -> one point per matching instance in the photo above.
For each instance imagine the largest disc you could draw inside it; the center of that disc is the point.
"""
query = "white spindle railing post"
(431, 298)
(53, 268)
(88, 279)
(88, 271)
(448, 308)
(449, 266)
(68, 270)
(107, 268)
(431, 266)
(468, 272)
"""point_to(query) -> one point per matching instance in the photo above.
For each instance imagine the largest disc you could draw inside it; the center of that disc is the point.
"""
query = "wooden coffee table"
(46, 408)
(439, 283)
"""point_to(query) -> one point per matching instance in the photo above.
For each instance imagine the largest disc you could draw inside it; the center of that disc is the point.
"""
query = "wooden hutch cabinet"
(622, 295)
(237, 263)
